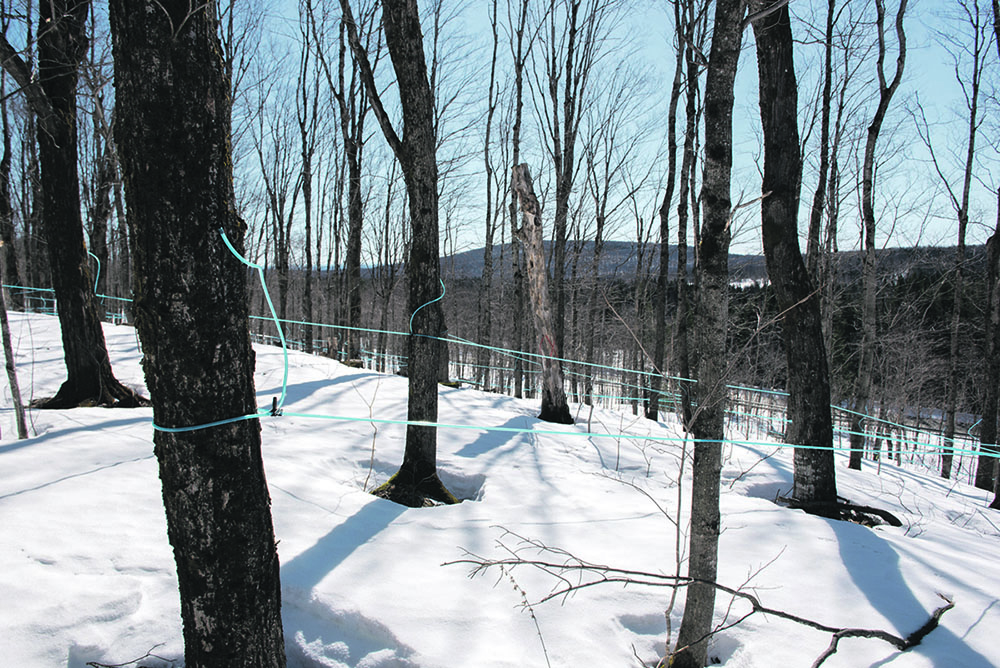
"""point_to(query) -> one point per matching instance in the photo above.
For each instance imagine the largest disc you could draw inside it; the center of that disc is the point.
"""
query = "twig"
(147, 655)
(531, 611)
(589, 575)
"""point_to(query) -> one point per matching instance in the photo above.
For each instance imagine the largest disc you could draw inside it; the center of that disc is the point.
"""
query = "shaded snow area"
(86, 573)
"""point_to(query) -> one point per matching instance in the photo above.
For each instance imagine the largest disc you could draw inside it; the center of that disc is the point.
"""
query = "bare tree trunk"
(518, 306)
(971, 83)
(417, 479)
(11, 276)
(811, 422)
(819, 197)
(554, 405)
(711, 321)
(8, 350)
(663, 277)
(869, 277)
(307, 116)
(686, 207)
(172, 94)
(484, 327)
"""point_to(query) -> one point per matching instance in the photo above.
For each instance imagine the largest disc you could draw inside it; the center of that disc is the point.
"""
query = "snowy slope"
(86, 573)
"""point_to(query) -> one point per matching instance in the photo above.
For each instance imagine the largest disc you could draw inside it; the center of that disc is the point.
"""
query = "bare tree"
(574, 32)
(970, 60)
(519, 53)
(887, 89)
(417, 478)
(663, 277)
(808, 381)
(172, 94)
(492, 220)
(711, 317)
(694, 37)
(62, 42)
(554, 406)
(11, 274)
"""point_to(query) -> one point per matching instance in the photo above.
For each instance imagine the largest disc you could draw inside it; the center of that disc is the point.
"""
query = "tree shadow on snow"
(873, 565)
(306, 570)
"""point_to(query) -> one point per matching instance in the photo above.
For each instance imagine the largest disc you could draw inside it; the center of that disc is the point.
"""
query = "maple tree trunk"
(192, 318)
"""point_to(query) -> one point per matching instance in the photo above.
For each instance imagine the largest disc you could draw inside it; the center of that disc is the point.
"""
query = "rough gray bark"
(868, 275)
(808, 385)
(554, 406)
(711, 317)
(417, 479)
(192, 319)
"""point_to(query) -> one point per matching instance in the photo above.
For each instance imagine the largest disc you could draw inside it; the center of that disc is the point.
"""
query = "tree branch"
(574, 574)
(361, 56)
(19, 72)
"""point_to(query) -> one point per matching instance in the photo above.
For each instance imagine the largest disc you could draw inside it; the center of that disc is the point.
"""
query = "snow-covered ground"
(86, 574)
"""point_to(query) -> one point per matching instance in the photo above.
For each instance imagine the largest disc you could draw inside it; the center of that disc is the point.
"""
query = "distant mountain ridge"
(619, 259)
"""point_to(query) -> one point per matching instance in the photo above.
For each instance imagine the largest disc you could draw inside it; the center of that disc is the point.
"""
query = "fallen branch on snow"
(574, 574)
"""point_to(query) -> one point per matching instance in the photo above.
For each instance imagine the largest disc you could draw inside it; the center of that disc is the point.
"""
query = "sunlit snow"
(86, 573)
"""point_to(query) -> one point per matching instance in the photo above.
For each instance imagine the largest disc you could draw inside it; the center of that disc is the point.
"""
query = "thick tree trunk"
(811, 423)
(61, 44)
(554, 405)
(192, 318)
(711, 321)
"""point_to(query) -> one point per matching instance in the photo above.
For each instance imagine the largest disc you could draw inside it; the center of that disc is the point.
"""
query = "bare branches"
(572, 574)
(15, 66)
(367, 75)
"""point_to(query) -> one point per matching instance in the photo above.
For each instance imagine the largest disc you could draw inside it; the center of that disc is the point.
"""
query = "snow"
(86, 573)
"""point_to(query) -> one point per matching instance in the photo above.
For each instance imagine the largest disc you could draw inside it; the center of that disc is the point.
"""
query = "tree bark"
(686, 209)
(517, 258)
(554, 406)
(192, 319)
(417, 479)
(819, 196)
(712, 312)
(811, 422)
